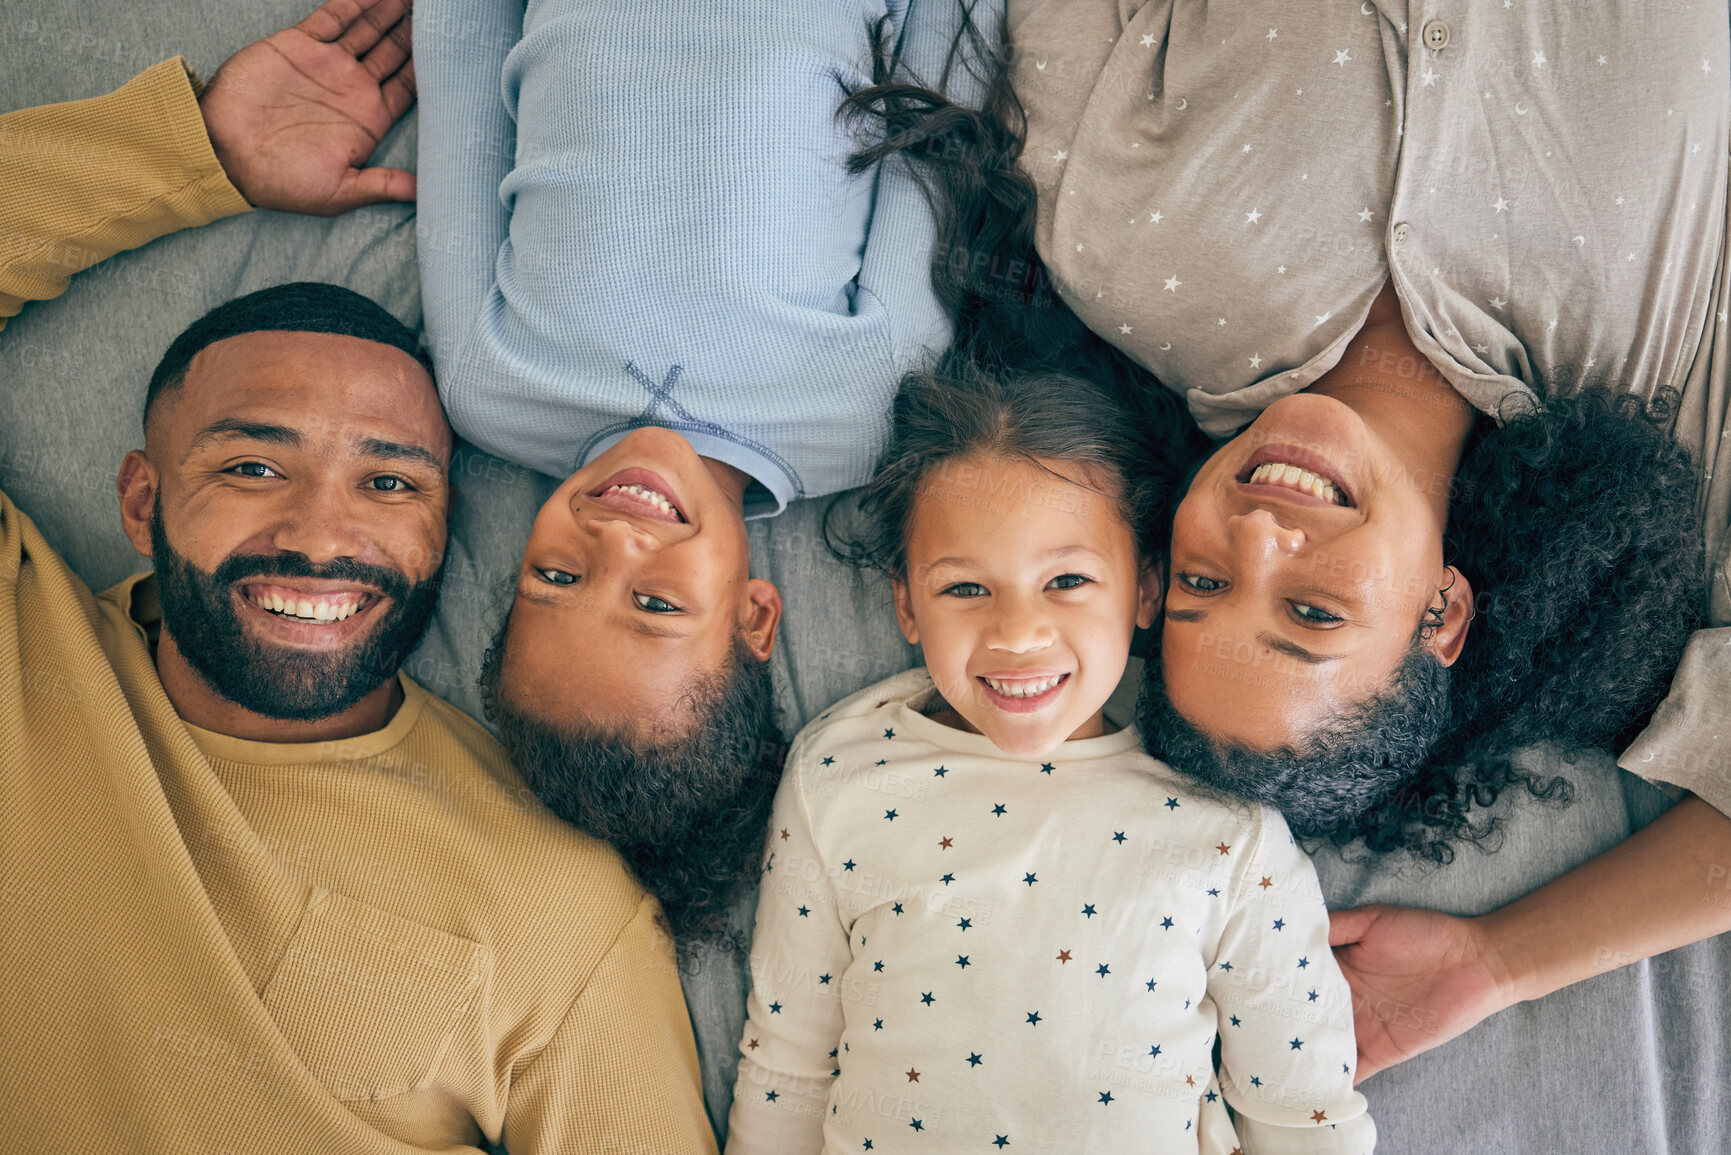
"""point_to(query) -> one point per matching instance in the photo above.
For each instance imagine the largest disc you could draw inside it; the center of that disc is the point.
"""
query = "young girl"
(988, 919)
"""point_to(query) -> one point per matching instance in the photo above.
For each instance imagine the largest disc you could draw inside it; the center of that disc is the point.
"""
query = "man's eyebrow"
(249, 430)
(1293, 650)
(1186, 615)
(397, 451)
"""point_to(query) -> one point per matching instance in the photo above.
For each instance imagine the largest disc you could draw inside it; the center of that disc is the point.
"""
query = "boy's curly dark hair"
(1576, 523)
(689, 817)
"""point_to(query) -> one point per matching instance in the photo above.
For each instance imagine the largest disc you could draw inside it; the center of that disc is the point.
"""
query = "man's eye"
(1314, 615)
(1197, 584)
(390, 483)
(557, 577)
(965, 590)
(1069, 581)
(655, 605)
(254, 469)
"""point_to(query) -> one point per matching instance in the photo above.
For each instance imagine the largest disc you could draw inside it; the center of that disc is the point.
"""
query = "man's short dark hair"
(298, 307)
(689, 815)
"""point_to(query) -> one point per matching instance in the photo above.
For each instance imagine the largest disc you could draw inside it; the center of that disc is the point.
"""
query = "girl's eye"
(390, 483)
(254, 469)
(654, 604)
(1197, 584)
(1313, 615)
(1068, 581)
(965, 590)
(557, 577)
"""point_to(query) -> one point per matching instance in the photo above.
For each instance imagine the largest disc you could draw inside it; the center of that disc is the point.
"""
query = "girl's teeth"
(1030, 689)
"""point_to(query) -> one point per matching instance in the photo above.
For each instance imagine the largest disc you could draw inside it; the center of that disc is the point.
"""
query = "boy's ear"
(1150, 595)
(905, 610)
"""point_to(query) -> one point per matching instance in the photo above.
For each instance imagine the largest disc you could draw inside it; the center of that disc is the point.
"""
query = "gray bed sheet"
(1635, 1061)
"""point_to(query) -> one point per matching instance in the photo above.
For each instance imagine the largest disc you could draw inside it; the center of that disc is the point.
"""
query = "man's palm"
(293, 117)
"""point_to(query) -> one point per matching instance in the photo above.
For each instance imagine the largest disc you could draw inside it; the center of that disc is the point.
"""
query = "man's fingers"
(371, 186)
(388, 55)
(356, 25)
(398, 93)
(1348, 926)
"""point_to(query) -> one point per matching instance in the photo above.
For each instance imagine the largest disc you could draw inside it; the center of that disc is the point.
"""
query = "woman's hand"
(294, 117)
(1418, 979)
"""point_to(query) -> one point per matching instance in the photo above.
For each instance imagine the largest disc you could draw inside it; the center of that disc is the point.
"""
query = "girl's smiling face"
(1023, 588)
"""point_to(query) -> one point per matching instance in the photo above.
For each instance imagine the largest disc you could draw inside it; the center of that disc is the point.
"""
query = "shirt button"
(1401, 232)
(1436, 35)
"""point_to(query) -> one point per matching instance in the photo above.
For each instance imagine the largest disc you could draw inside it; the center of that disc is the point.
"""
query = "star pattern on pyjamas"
(917, 816)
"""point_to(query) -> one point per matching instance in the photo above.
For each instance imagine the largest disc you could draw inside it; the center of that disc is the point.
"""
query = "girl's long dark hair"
(1008, 318)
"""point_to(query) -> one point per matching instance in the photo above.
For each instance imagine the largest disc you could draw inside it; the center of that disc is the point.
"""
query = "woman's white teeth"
(1031, 688)
(1292, 477)
(306, 609)
(656, 499)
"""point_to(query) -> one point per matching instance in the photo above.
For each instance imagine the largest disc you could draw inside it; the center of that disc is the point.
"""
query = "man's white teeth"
(306, 609)
(1292, 477)
(656, 499)
(1031, 688)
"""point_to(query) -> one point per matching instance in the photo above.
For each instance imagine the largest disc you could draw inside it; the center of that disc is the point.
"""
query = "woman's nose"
(1259, 532)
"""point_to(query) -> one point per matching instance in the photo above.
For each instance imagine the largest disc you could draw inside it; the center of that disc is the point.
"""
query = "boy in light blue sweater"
(645, 265)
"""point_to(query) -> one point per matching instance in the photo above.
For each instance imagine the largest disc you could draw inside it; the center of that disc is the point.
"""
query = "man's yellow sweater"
(382, 944)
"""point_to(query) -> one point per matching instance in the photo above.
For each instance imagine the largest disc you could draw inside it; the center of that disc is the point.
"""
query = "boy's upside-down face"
(633, 588)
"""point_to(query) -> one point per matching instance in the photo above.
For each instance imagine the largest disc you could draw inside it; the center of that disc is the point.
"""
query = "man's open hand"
(295, 116)
(1418, 979)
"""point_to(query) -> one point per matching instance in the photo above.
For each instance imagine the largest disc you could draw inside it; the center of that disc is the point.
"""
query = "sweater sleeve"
(1287, 1049)
(620, 1073)
(86, 179)
(799, 959)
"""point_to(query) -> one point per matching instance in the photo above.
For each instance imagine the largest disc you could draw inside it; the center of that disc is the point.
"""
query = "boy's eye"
(654, 604)
(1197, 584)
(1314, 615)
(254, 469)
(557, 577)
(1068, 581)
(965, 590)
(390, 483)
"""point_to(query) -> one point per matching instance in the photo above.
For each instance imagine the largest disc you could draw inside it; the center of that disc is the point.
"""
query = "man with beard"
(264, 893)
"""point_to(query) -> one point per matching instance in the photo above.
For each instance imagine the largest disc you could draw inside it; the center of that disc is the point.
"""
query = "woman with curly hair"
(1452, 527)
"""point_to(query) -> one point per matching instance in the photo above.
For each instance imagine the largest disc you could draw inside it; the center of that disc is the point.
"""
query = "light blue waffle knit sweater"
(632, 214)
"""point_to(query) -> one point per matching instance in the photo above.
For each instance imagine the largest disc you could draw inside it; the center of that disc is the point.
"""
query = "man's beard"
(285, 682)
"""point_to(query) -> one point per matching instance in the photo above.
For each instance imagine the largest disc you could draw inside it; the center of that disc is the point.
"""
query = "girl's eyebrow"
(1058, 554)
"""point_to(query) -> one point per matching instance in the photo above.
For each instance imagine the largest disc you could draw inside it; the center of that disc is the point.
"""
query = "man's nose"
(320, 524)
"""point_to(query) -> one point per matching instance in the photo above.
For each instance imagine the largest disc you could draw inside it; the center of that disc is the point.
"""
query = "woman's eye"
(557, 577)
(390, 483)
(655, 605)
(254, 469)
(1312, 614)
(1197, 584)
(1068, 581)
(965, 590)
